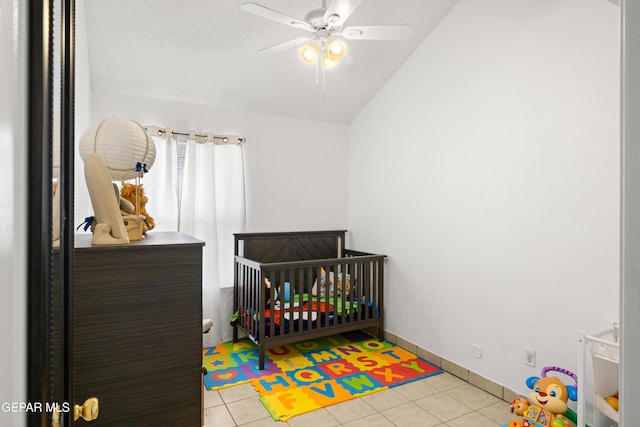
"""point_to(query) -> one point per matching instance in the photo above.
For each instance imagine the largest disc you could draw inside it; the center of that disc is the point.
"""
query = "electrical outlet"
(530, 357)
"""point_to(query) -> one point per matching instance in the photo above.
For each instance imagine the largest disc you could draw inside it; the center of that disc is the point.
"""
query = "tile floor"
(441, 400)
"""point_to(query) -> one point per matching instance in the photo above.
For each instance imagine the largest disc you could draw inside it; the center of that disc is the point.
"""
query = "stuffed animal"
(128, 192)
(126, 207)
(344, 286)
(323, 283)
(547, 404)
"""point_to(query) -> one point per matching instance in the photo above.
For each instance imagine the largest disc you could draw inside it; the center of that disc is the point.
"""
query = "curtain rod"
(203, 136)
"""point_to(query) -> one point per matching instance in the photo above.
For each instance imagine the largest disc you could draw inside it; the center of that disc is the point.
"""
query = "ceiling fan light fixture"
(327, 62)
(335, 49)
(309, 52)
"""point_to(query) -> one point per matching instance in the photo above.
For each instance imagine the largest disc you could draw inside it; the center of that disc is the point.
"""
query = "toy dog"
(547, 402)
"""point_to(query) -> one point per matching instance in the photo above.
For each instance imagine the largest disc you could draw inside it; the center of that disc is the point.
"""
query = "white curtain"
(198, 188)
(161, 185)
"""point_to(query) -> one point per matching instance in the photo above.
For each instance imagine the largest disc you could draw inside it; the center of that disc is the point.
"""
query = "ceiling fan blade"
(377, 32)
(274, 15)
(279, 47)
(342, 9)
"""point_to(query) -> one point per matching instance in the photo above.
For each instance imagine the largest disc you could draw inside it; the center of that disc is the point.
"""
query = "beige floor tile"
(385, 399)
(444, 381)
(443, 407)
(415, 390)
(247, 410)
(409, 415)
(318, 418)
(473, 397)
(238, 392)
(473, 419)
(442, 400)
(498, 412)
(218, 416)
(373, 420)
(212, 398)
(350, 410)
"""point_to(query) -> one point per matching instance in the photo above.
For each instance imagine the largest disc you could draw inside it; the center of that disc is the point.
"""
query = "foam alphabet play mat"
(313, 374)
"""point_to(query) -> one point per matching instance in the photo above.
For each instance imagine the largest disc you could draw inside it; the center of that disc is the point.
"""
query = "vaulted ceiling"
(205, 52)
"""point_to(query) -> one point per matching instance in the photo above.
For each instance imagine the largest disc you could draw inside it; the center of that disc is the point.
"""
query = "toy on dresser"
(548, 402)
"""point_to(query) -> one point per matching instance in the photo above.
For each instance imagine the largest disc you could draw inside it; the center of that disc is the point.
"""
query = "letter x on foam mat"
(313, 374)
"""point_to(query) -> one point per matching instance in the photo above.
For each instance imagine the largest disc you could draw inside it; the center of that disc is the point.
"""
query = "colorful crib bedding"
(308, 310)
(314, 311)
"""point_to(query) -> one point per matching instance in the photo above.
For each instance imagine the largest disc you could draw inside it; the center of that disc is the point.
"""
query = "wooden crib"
(294, 286)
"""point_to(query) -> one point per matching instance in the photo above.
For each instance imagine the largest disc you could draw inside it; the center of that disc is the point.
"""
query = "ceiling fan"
(323, 45)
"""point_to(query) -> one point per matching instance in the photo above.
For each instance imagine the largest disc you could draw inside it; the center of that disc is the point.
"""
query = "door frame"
(629, 375)
(39, 227)
(43, 375)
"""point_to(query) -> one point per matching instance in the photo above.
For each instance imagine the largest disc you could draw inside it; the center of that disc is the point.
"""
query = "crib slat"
(333, 295)
(297, 278)
(313, 277)
(281, 280)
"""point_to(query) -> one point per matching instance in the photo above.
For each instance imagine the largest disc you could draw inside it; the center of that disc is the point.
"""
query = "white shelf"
(604, 350)
(604, 345)
(606, 409)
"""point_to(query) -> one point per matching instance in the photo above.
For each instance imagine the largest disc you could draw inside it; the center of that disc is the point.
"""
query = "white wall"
(488, 170)
(296, 170)
(13, 208)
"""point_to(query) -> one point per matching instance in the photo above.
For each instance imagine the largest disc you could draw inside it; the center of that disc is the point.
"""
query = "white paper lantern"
(122, 144)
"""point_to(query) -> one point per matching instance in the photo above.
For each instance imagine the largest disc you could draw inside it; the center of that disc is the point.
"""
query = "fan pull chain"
(318, 76)
(322, 47)
(323, 83)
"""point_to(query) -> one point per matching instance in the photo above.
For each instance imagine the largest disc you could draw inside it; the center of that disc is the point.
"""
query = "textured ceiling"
(206, 52)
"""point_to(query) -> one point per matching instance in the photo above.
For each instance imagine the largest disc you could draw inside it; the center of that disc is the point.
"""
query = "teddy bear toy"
(547, 405)
(128, 192)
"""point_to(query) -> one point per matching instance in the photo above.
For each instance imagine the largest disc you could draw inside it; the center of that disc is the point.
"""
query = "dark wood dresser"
(138, 329)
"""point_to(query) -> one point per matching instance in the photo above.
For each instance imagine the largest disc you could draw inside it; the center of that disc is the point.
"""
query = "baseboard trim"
(464, 374)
